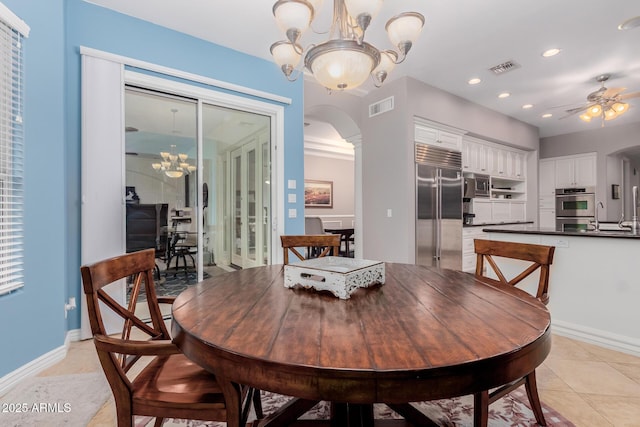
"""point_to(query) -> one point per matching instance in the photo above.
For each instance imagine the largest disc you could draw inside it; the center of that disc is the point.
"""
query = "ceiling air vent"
(504, 67)
(381, 107)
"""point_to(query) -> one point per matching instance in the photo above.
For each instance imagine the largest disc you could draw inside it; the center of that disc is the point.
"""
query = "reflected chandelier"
(172, 164)
(345, 60)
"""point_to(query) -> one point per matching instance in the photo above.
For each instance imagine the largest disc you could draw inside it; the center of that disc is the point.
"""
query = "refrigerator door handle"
(438, 218)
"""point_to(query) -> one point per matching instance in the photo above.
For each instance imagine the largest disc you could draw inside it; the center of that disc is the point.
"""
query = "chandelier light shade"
(341, 64)
(345, 60)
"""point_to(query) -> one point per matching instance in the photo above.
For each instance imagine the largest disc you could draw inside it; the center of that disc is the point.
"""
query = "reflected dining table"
(346, 237)
(425, 334)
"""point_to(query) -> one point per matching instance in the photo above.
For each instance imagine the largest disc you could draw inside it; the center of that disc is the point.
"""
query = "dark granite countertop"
(531, 229)
(492, 224)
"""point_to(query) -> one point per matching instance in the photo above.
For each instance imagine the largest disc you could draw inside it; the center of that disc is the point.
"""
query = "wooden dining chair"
(168, 384)
(312, 245)
(540, 257)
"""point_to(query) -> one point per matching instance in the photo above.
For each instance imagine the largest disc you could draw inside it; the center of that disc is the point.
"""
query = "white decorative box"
(341, 276)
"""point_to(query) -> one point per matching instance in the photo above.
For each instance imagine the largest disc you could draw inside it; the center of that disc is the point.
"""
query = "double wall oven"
(575, 208)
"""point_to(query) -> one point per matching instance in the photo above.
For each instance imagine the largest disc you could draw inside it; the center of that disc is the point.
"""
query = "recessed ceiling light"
(504, 95)
(630, 24)
(547, 115)
(474, 81)
(527, 106)
(551, 52)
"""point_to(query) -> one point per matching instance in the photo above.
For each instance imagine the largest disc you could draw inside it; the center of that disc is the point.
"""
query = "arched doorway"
(325, 123)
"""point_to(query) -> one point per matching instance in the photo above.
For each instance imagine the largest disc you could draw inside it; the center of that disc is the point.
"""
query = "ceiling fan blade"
(611, 92)
(565, 105)
(630, 95)
(578, 109)
(574, 111)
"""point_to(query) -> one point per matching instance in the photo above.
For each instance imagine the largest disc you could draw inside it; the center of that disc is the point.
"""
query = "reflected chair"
(540, 257)
(167, 384)
(313, 225)
(146, 227)
(313, 246)
(183, 244)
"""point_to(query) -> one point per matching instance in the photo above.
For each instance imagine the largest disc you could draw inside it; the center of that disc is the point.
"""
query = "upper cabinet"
(487, 158)
(441, 136)
(576, 171)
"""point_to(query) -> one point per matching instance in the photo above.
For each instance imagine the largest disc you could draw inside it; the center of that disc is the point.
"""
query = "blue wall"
(33, 318)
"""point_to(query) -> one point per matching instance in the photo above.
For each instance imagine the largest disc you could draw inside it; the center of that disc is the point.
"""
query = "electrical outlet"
(561, 243)
(69, 306)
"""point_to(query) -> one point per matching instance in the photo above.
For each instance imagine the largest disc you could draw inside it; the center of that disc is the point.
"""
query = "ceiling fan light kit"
(345, 60)
(606, 104)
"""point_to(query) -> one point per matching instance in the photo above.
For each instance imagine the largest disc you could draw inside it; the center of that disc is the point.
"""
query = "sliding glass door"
(161, 180)
(238, 143)
(162, 153)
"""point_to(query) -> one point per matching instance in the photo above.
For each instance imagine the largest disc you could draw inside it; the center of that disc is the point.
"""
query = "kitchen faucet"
(597, 223)
(633, 225)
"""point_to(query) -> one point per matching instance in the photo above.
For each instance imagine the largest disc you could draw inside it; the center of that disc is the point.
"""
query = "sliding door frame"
(208, 96)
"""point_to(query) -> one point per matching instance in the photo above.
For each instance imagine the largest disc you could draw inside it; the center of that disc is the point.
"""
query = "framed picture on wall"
(318, 194)
(615, 191)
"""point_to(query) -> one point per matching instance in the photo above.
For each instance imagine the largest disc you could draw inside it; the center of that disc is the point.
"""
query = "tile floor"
(590, 385)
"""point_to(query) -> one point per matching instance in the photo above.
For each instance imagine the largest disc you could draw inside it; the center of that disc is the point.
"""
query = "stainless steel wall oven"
(575, 208)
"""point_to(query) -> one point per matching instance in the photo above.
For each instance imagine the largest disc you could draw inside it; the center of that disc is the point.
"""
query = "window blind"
(12, 33)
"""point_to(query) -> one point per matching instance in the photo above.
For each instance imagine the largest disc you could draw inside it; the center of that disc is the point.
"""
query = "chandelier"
(173, 164)
(345, 61)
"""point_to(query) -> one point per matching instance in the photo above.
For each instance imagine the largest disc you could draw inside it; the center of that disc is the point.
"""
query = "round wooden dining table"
(424, 334)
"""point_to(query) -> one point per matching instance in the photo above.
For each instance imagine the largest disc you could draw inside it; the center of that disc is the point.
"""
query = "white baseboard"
(609, 340)
(38, 365)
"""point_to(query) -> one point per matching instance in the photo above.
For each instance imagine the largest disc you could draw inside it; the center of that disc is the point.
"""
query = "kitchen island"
(594, 284)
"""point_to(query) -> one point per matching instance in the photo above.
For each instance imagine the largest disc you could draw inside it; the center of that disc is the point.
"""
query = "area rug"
(510, 411)
(65, 400)
(171, 285)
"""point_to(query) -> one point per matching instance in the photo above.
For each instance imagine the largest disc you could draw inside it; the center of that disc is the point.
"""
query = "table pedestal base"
(343, 415)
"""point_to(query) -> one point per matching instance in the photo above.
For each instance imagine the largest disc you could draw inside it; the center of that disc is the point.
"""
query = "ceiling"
(460, 40)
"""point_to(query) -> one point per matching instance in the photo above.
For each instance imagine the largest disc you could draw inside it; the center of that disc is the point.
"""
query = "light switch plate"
(291, 184)
(293, 213)
(291, 197)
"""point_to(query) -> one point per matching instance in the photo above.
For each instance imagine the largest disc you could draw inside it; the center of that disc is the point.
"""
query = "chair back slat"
(137, 267)
(316, 245)
(540, 256)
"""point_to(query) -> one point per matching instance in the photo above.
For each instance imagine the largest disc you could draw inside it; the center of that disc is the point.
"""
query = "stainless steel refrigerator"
(439, 187)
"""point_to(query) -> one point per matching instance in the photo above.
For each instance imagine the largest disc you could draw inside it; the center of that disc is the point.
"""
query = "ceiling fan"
(604, 103)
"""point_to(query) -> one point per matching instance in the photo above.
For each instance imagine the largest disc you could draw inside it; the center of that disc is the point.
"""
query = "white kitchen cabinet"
(469, 234)
(547, 181)
(575, 171)
(479, 156)
(474, 156)
(517, 211)
(547, 194)
(519, 165)
(547, 218)
(500, 211)
(442, 138)
(585, 171)
(482, 211)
